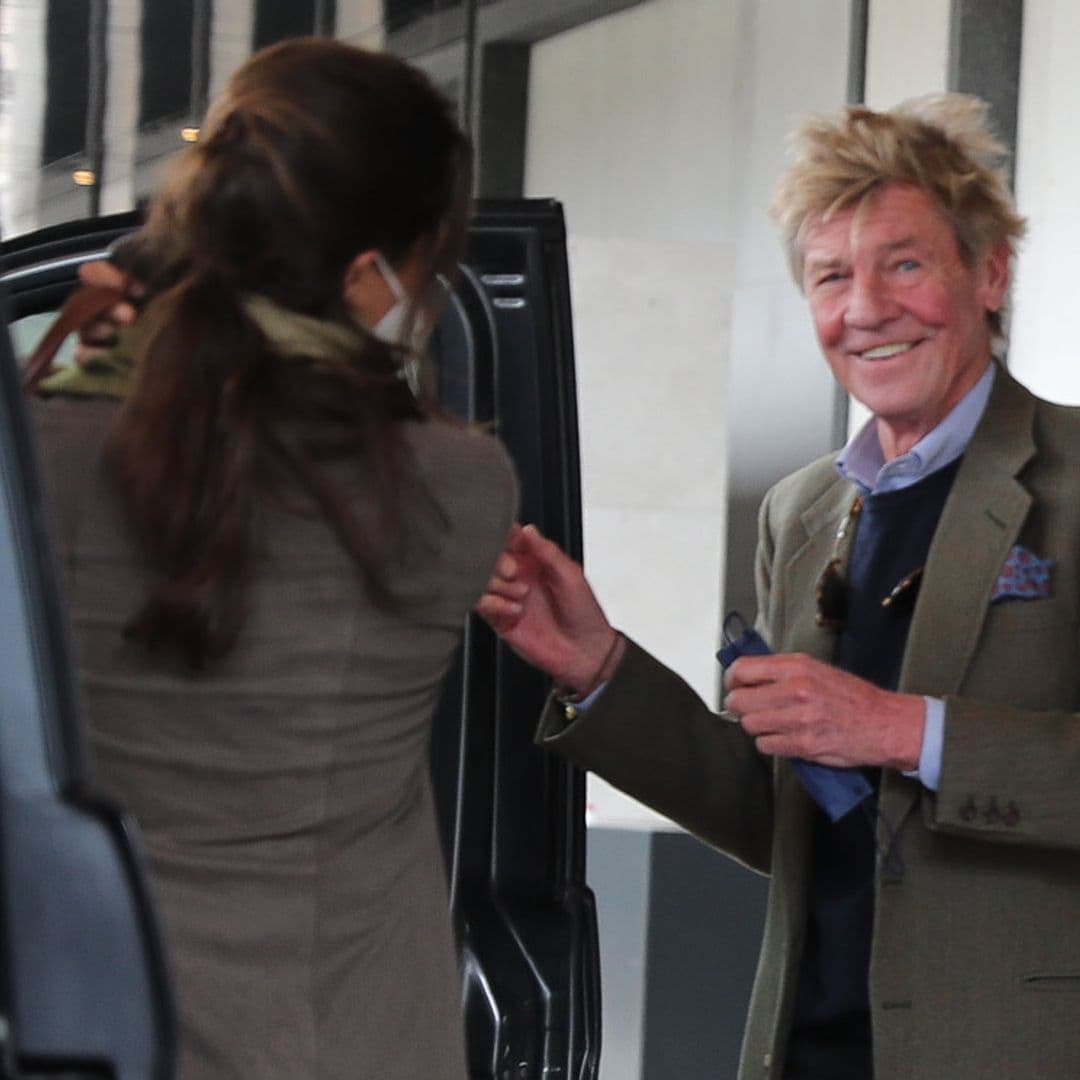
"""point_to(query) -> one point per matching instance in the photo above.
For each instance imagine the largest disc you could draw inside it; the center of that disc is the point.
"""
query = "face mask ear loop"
(391, 278)
(410, 368)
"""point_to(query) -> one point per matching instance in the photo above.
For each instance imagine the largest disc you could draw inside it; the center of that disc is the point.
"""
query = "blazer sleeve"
(653, 737)
(1009, 775)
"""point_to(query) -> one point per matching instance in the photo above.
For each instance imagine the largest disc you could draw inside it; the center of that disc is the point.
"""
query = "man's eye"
(908, 264)
(830, 277)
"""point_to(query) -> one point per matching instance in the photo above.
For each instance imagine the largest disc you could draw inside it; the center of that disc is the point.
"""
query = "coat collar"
(980, 522)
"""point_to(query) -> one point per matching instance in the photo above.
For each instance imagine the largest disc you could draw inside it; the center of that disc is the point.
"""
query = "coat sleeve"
(653, 737)
(1009, 775)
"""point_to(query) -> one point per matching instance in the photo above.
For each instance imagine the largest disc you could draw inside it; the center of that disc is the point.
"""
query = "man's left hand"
(796, 706)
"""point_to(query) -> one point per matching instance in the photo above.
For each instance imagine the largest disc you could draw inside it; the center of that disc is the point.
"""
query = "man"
(922, 596)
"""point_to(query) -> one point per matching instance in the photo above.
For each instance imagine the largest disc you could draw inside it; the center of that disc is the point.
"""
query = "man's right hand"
(540, 604)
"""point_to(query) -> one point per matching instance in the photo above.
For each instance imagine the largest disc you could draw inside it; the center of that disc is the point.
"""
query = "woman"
(271, 546)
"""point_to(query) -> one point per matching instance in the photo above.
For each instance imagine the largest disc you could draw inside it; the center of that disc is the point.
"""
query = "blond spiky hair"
(940, 143)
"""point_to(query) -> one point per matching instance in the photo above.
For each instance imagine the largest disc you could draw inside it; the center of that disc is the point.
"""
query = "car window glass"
(27, 331)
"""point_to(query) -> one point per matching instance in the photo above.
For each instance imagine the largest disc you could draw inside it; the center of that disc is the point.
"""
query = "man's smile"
(884, 352)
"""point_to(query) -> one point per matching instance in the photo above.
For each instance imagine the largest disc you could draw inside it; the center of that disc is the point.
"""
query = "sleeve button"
(1011, 817)
(992, 815)
(968, 810)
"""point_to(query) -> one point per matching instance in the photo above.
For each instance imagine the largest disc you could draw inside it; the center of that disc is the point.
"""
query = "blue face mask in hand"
(837, 791)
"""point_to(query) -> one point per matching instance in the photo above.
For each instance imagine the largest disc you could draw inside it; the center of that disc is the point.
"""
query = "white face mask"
(391, 328)
(396, 328)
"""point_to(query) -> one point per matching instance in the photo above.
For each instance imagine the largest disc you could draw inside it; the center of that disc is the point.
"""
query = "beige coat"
(975, 968)
(284, 799)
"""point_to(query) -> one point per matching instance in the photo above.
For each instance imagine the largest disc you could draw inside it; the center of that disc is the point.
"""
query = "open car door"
(83, 989)
(512, 817)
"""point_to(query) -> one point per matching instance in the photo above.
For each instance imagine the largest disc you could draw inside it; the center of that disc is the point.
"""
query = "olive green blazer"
(975, 967)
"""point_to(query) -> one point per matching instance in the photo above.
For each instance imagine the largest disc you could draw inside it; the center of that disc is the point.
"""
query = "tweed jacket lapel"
(981, 521)
(820, 522)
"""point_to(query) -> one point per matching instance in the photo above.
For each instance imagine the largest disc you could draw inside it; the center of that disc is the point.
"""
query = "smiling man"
(902, 319)
(921, 593)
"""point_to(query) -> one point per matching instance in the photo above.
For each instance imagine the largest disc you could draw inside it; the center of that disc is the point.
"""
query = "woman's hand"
(102, 333)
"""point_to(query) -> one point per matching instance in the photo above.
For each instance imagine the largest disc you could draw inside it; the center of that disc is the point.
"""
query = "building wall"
(22, 105)
(1043, 351)
(631, 122)
(121, 105)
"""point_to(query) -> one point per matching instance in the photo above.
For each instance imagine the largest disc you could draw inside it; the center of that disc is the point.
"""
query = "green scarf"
(108, 373)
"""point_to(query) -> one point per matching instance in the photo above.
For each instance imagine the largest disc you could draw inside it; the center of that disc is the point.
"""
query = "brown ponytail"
(318, 151)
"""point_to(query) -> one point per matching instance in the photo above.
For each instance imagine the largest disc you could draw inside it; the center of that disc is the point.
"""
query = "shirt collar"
(863, 463)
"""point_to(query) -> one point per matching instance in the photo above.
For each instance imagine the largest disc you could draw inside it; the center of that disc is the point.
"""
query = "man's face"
(900, 317)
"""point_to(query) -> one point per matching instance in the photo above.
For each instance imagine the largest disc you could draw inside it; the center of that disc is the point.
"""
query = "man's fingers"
(501, 613)
(507, 588)
(777, 667)
(772, 745)
(551, 558)
(763, 702)
(506, 566)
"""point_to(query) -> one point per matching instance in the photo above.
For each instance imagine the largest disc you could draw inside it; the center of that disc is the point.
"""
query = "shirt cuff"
(573, 709)
(933, 744)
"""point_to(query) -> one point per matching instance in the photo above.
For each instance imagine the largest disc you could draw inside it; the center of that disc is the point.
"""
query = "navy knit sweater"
(831, 1031)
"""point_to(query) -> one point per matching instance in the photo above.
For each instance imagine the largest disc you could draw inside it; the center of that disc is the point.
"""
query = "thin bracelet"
(603, 674)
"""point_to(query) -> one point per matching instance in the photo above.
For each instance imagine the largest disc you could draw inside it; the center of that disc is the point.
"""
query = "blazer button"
(1011, 817)
(968, 810)
(992, 815)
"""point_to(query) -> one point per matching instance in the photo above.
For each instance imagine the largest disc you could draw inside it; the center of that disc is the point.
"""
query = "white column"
(1042, 350)
(121, 105)
(907, 55)
(22, 112)
(907, 50)
(231, 32)
(360, 22)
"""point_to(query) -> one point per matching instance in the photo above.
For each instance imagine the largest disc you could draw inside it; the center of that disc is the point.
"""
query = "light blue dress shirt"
(863, 463)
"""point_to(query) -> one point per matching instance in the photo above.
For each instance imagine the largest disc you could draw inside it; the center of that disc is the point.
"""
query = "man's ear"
(365, 290)
(996, 272)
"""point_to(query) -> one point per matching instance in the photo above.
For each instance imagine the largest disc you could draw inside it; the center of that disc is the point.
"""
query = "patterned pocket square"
(1023, 577)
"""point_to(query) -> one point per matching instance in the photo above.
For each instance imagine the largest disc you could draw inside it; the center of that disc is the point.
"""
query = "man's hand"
(540, 604)
(796, 706)
(102, 333)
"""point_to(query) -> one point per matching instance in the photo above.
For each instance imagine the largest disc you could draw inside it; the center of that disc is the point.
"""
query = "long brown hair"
(316, 152)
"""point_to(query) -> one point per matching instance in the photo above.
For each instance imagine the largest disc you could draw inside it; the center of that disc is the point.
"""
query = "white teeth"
(882, 352)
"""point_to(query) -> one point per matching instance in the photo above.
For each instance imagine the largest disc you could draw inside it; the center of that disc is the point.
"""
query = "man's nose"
(869, 301)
